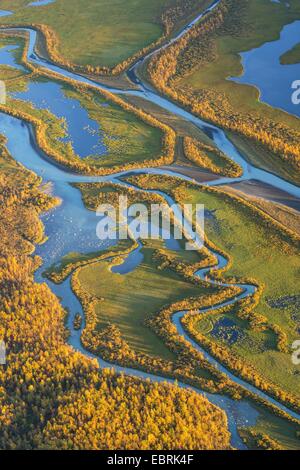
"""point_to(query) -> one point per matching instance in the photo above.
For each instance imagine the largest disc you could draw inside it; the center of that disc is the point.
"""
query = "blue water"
(136, 257)
(227, 330)
(7, 57)
(70, 227)
(39, 3)
(130, 263)
(83, 132)
(239, 413)
(262, 68)
(5, 13)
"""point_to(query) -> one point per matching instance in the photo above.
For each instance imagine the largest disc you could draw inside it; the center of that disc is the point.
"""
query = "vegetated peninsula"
(141, 344)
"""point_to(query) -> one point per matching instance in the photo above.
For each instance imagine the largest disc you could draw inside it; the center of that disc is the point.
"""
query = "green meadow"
(261, 23)
(127, 138)
(257, 251)
(98, 33)
(128, 300)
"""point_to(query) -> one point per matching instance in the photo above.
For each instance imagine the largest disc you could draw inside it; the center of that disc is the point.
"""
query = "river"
(71, 227)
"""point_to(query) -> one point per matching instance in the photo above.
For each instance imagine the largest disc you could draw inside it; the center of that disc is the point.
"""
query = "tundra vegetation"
(249, 238)
(46, 387)
(128, 317)
(292, 56)
(118, 31)
(209, 158)
(195, 70)
(131, 137)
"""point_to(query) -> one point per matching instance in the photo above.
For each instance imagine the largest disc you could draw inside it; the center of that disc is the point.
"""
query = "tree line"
(196, 48)
(52, 397)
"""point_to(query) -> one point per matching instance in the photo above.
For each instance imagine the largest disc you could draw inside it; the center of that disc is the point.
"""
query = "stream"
(71, 227)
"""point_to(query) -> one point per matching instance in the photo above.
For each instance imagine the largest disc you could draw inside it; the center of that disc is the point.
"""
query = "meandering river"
(71, 227)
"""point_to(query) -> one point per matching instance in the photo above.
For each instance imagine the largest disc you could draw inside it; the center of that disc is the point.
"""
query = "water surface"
(7, 57)
(262, 68)
(71, 224)
(40, 3)
(83, 132)
(5, 13)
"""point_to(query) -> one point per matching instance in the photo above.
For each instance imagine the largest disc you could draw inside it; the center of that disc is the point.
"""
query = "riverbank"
(68, 195)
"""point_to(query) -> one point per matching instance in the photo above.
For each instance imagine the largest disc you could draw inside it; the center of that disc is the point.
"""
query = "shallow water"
(40, 3)
(5, 13)
(262, 68)
(71, 223)
(227, 330)
(83, 132)
(7, 57)
(218, 135)
(69, 227)
(130, 262)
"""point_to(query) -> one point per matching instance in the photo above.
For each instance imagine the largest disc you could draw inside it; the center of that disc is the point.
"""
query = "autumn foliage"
(197, 47)
(54, 398)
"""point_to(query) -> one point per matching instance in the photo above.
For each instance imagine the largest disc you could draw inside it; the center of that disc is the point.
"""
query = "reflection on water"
(262, 68)
(7, 57)
(83, 132)
(70, 220)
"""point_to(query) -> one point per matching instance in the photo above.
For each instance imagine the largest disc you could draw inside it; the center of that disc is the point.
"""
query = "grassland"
(128, 300)
(68, 263)
(257, 251)
(287, 216)
(292, 56)
(97, 33)
(261, 21)
(284, 433)
(38, 350)
(127, 138)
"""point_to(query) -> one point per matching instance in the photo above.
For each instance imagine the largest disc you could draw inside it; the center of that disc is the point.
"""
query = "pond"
(7, 57)
(83, 132)
(227, 330)
(262, 68)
